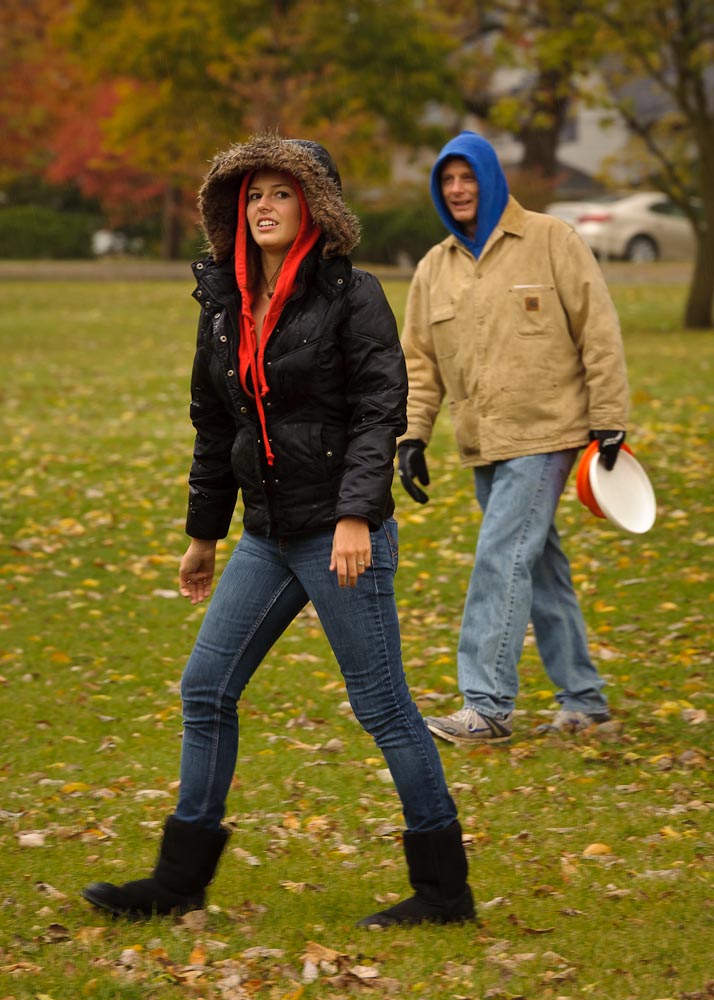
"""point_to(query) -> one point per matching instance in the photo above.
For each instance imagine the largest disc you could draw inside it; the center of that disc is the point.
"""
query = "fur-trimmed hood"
(307, 161)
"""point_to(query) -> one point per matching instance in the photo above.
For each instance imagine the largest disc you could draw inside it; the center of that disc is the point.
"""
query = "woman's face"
(273, 210)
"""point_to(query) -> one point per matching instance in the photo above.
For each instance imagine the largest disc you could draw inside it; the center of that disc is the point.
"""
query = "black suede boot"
(437, 873)
(186, 864)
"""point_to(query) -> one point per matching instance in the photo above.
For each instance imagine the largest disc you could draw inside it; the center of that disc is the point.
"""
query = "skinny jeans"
(266, 583)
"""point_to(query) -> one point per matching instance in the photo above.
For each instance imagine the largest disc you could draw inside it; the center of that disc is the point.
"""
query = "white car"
(639, 227)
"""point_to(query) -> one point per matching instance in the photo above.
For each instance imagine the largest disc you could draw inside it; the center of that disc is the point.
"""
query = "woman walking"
(298, 395)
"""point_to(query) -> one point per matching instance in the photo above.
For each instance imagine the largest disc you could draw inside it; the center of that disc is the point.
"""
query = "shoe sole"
(115, 911)
(468, 740)
(133, 915)
(595, 720)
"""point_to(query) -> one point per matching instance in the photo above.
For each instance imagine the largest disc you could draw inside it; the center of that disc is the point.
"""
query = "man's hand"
(609, 444)
(351, 550)
(412, 465)
(196, 570)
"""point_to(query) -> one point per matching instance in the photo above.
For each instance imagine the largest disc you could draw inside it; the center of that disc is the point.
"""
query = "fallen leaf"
(364, 972)
(522, 926)
(310, 972)
(31, 839)
(87, 935)
(559, 976)
(695, 716)
(317, 953)
(597, 851)
(299, 887)
(55, 933)
(49, 890)
(28, 967)
(198, 956)
(496, 901)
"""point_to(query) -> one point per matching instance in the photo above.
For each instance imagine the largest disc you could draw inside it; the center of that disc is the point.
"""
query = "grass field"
(591, 857)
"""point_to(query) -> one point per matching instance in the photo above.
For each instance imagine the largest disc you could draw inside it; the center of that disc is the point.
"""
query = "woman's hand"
(351, 550)
(197, 569)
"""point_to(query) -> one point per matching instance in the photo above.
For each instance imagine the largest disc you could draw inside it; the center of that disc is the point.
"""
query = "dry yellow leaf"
(670, 832)
(197, 956)
(597, 850)
(317, 953)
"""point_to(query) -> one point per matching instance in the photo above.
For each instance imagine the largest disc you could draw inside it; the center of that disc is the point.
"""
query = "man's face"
(459, 189)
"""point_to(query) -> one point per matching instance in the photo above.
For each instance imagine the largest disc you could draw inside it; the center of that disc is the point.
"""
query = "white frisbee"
(624, 494)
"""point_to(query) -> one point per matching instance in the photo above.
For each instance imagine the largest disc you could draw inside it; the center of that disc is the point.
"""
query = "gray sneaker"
(469, 726)
(573, 722)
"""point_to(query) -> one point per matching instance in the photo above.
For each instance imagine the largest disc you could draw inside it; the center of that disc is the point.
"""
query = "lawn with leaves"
(591, 857)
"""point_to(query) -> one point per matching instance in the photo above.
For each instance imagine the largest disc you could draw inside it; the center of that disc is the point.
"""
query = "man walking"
(509, 319)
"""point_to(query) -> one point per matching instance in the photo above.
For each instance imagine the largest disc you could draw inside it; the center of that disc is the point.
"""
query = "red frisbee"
(623, 495)
(582, 479)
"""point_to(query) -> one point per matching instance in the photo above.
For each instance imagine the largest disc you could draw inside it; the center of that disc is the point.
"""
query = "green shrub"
(400, 235)
(33, 232)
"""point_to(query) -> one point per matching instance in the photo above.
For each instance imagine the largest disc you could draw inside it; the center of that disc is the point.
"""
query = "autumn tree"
(78, 154)
(667, 47)
(32, 81)
(661, 49)
(545, 46)
(203, 73)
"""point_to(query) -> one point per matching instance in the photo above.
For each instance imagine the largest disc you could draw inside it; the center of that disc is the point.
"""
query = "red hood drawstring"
(251, 356)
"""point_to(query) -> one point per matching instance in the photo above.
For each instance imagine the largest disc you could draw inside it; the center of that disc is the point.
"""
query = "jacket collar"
(512, 222)
(216, 283)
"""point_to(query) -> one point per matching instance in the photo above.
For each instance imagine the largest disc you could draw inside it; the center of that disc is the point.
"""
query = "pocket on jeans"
(391, 533)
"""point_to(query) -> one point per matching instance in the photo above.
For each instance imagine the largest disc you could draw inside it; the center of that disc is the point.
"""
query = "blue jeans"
(521, 573)
(266, 582)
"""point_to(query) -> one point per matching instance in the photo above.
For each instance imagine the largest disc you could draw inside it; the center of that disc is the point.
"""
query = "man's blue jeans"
(266, 582)
(521, 573)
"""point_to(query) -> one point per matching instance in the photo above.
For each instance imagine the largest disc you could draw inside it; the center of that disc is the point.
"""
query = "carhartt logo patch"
(532, 303)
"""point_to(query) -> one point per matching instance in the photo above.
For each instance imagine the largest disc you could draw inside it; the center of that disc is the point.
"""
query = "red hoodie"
(251, 356)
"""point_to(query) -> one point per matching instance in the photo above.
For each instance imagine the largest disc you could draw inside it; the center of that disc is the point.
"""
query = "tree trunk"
(171, 224)
(698, 313)
(540, 150)
(540, 134)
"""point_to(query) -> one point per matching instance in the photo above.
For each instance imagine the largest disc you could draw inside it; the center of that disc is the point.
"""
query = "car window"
(667, 208)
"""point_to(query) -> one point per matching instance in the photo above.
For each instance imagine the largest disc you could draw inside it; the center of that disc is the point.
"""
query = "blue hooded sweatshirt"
(492, 187)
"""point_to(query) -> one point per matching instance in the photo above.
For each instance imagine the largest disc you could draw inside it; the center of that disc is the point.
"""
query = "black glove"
(609, 444)
(412, 465)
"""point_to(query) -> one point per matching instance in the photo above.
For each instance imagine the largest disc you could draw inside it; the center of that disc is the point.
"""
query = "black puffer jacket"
(334, 366)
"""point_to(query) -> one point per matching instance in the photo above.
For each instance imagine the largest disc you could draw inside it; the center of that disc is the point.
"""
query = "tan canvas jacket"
(524, 343)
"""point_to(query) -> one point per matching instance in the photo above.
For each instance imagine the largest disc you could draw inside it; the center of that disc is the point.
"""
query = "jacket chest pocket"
(297, 370)
(532, 309)
(443, 328)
